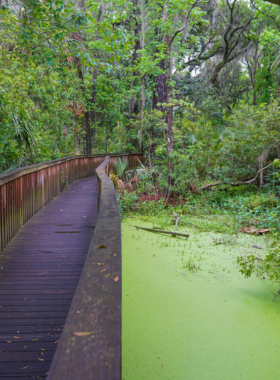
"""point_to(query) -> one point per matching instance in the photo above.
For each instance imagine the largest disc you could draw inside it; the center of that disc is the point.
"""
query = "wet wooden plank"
(37, 306)
(27, 292)
(14, 330)
(34, 367)
(25, 376)
(27, 346)
(25, 356)
(96, 306)
(32, 337)
(8, 299)
(38, 278)
(31, 315)
(41, 265)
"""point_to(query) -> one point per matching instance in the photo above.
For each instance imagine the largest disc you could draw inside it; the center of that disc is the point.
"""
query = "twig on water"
(181, 220)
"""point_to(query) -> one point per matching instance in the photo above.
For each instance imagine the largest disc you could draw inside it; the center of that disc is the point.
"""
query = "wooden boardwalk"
(39, 272)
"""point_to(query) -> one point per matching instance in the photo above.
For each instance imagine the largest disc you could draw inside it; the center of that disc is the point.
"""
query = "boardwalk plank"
(34, 368)
(30, 346)
(30, 338)
(40, 269)
(23, 356)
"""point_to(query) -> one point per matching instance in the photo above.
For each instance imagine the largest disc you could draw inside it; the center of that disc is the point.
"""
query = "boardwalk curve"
(42, 270)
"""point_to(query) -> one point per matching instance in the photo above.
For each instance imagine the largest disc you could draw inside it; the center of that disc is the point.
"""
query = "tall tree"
(170, 28)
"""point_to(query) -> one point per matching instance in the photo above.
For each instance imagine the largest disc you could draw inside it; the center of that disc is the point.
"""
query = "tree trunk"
(88, 140)
(160, 91)
(88, 137)
(92, 111)
(170, 121)
(278, 150)
(143, 78)
(254, 96)
(132, 102)
(217, 70)
(137, 32)
(106, 139)
(142, 112)
(170, 130)
(169, 101)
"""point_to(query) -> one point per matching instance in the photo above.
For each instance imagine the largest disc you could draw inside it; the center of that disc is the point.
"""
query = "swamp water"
(189, 314)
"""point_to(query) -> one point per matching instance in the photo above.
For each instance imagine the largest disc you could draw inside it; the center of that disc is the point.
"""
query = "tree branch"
(184, 23)
(240, 34)
(237, 183)
(204, 58)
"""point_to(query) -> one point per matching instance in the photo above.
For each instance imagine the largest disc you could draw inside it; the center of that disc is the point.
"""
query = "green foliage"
(74, 78)
(260, 210)
(121, 167)
(127, 202)
(243, 189)
(266, 267)
(36, 86)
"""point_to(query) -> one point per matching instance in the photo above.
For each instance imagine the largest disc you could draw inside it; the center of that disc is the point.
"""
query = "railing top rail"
(96, 307)
(13, 174)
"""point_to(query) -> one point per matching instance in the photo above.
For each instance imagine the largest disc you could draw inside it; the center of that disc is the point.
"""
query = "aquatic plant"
(191, 265)
(266, 267)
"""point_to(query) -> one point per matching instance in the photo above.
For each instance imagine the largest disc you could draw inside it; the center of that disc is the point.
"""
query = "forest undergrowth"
(222, 211)
(230, 211)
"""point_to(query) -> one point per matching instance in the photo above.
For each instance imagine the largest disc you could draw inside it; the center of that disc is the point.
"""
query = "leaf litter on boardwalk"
(80, 333)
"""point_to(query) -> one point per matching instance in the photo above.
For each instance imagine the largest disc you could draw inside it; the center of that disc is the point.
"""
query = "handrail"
(96, 307)
(16, 173)
(24, 191)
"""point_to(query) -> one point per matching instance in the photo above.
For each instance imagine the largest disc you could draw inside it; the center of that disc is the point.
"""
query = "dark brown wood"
(37, 283)
(96, 307)
(24, 191)
(41, 267)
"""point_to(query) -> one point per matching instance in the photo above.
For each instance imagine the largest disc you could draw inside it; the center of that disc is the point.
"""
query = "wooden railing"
(25, 191)
(96, 307)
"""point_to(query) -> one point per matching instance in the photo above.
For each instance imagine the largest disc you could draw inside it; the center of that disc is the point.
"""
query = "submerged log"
(162, 231)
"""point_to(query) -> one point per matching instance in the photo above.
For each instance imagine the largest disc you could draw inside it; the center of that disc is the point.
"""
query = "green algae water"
(189, 314)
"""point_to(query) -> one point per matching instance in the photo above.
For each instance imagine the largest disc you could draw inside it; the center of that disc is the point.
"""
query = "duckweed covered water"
(189, 314)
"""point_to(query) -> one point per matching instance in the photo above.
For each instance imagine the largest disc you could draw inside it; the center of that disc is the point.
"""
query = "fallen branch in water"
(161, 231)
(254, 231)
(224, 240)
(181, 220)
(237, 183)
